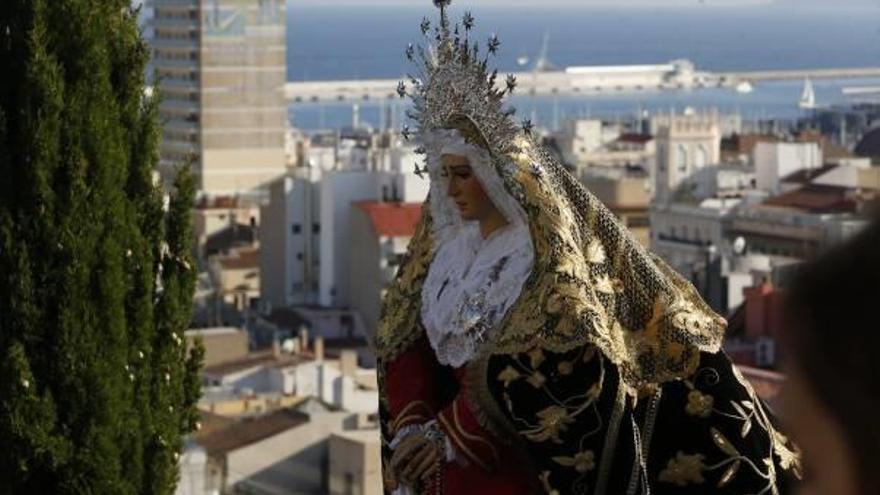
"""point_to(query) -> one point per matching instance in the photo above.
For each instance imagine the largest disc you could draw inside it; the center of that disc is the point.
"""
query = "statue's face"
(465, 190)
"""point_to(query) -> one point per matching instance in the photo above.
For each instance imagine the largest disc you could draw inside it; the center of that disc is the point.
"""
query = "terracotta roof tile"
(635, 138)
(251, 430)
(392, 219)
(815, 198)
(262, 358)
(806, 175)
(241, 259)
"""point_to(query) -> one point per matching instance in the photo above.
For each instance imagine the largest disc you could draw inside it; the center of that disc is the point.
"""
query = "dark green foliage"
(97, 389)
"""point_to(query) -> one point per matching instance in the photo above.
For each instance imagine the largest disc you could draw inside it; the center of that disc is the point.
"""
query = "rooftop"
(631, 137)
(815, 198)
(225, 202)
(213, 331)
(240, 259)
(251, 430)
(262, 358)
(233, 236)
(806, 175)
(392, 219)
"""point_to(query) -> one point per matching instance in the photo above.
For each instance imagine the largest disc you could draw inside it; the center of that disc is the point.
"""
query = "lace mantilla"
(472, 281)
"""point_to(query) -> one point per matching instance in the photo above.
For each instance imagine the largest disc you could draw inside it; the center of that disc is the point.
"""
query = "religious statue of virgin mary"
(528, 343)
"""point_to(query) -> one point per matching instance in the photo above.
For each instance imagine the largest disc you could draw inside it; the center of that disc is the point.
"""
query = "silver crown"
(453, 88)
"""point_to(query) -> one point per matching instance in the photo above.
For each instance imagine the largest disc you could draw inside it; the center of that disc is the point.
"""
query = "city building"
(221, 223)
(266, 380)
(193, 470)
(754, 326)
(579, 138)
(306, 230)
(222, 68)
(284, 452)
(355, 463)
(221, 344)
(290, 256)
(688, 236)
(685, 144)
(797, 224)
(236, 277)
(339, 191)
(774, 161)
(629, 150)
(380, 234)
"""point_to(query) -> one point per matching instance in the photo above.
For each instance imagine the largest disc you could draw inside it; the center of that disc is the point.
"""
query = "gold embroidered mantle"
(592, 283)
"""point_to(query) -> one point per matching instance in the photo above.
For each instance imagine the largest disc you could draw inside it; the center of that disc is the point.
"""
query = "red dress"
(413, 385)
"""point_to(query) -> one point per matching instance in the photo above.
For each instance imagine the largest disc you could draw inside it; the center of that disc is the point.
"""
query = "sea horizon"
(333, 43)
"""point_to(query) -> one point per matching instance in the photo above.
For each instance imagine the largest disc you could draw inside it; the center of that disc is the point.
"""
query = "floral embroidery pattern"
(582, 461)
(553, 421)
(699, 404)
(684, 469)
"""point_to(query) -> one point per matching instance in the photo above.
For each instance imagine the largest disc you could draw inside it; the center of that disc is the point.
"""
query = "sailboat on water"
(808, 96)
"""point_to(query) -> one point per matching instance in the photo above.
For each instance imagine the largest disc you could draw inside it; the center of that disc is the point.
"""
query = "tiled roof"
(211, 423)
(229, 238)
(806, 175)
(392, 219)
(262, 358)
(241, 259)
(635, 138)
(251, 430)
(815, 198)
(745, 143)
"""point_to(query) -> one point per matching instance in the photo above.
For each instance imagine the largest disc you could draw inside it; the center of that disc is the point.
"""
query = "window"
(638, 222)
(682, 159)
(701, 159)
(316, 228)
(296, 228)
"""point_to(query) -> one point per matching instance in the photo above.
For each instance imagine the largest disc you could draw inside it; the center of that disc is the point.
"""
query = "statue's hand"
(415, 458)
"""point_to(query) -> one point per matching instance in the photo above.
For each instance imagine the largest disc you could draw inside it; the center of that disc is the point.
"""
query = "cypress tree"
(97, 388)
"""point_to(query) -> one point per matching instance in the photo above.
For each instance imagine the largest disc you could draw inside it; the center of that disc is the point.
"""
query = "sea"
(363, 42)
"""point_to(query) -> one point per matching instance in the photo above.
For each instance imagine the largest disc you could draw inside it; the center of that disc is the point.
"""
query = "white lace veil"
(472, 281)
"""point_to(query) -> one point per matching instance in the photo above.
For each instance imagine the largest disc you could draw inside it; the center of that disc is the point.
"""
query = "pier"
(675, 75)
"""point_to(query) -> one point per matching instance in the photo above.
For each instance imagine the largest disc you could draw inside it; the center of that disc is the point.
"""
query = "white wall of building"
(355, 463)
(325, 381)
(339, 189)
(579, 138)
(290, 241)
(774, 161)
(411, 188)
(193, 471)
(681, 233)
(295, 457)
(685, 144)
(842, 176)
